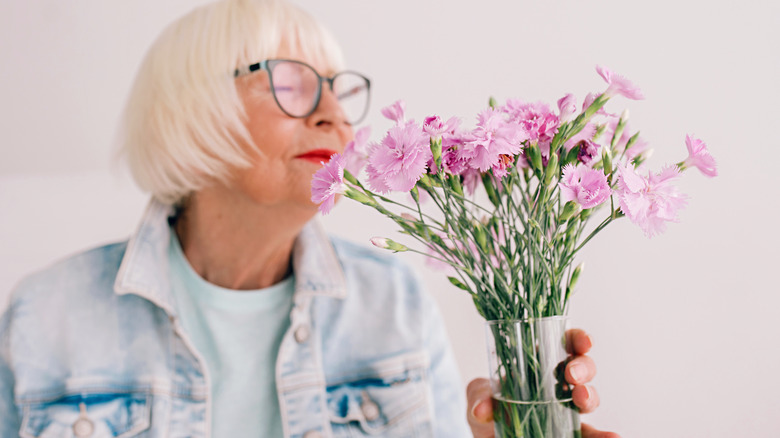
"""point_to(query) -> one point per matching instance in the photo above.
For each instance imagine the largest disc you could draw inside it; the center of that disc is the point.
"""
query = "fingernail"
(474, 408)
(590, 394)
(577, 372)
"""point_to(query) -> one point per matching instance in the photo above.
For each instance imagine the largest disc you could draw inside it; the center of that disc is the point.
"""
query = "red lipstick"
(317, 155)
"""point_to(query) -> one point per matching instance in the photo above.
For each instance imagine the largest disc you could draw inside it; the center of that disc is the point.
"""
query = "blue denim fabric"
(95, 343)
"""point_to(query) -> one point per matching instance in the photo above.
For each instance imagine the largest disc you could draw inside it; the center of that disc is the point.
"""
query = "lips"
(317, 155)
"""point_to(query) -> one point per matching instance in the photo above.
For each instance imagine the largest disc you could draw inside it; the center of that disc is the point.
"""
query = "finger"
(580, 370)
(590, 432)
(480, 408)
(578, 342)
(586, 398)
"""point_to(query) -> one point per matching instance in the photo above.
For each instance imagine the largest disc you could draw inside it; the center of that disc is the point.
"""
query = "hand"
(579, 370)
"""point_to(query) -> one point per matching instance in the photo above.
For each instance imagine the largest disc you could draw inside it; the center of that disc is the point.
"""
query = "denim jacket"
(93, 346)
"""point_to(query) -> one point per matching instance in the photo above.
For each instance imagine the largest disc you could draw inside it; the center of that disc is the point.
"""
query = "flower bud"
(585, 214)
(572, 228)
(552, 169)
(599, 130)
(534, 158)
(427, 181)
(411, 224)
(487, 182)
(454, 182)
(606, 159)
(436, 151)
(576, 275)
(360, 197)
(570, 209)
(492, 102)
(596, 105)
(435, 238)
(632, 140)
(481, 236)
(415, 194)
(385, 243)
(621, 125)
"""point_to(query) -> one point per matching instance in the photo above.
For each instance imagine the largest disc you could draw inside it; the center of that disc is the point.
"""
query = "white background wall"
(684, 324)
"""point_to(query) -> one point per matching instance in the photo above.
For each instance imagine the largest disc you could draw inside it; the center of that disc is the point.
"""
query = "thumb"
(480, 408)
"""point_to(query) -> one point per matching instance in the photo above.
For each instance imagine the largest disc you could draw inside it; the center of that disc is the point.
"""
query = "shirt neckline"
(230, 299)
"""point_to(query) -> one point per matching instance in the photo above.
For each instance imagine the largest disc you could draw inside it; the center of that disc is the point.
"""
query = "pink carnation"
(328, 182)
(492, 137)
(434, 127)
(699, 157)
(587, 187)
(400, 160)
(585, 133)
(619, 85)
(376, 180)
(589, 150)
(395, 112)
(356, 151)
(567, 106)
(589, 99)
(501, 168)
(452, 159)
(537, 120)
(650, 201)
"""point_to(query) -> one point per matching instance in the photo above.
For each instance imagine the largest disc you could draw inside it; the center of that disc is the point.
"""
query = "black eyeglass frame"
(268, 66)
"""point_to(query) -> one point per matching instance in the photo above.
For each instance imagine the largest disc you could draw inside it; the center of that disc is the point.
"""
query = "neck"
(236, 244)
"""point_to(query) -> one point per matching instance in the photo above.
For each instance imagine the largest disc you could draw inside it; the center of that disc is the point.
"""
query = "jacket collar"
(144, 270)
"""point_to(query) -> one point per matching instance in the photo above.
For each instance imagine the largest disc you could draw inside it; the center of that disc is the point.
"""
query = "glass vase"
(531, 398)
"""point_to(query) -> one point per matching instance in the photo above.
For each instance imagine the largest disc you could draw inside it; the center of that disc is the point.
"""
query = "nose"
(329, 115)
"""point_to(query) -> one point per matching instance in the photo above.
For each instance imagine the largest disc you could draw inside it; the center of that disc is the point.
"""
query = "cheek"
(349, 135)
(272, 138)
(270, 130)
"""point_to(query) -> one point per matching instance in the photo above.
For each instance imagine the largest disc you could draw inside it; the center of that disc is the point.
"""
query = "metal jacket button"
(312, 434)
(302, 334)
(369, 407)
(83, 426)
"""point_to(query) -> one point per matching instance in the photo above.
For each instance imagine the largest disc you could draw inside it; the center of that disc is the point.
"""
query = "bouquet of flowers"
(506, 206)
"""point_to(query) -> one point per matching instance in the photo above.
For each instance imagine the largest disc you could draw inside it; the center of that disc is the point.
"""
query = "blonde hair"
(184, 123)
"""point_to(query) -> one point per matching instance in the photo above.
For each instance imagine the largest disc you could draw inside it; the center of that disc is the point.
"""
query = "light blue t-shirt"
(238, 333)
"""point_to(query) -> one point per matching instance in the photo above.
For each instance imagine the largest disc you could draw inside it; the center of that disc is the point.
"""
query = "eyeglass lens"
(295, 87)
(352, 92)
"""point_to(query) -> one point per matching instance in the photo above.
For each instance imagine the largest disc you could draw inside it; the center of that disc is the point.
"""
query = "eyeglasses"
(297, 88)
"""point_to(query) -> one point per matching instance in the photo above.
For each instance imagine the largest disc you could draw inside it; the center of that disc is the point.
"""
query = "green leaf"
(457, 283)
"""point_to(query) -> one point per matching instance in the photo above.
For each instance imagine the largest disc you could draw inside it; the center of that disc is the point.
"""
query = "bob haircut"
(183, 126)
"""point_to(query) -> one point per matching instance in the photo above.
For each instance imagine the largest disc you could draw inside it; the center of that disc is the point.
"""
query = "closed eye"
(351, 92)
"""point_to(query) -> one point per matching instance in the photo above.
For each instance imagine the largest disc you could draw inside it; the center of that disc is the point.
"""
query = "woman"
(230, 313)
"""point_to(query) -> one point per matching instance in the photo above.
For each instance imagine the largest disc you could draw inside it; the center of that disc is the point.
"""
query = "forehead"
(317, 60)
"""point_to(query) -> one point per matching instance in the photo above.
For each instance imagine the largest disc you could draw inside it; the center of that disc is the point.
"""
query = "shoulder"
(82, 276)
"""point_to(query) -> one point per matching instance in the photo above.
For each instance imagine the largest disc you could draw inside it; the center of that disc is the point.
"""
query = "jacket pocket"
(387, 398)
(96, 416)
